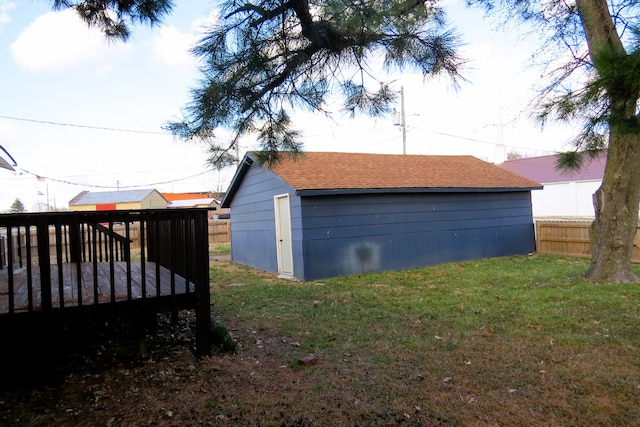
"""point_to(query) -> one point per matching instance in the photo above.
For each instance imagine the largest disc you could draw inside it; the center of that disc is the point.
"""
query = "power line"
(152, 184)
(484, 142)
(46, 122)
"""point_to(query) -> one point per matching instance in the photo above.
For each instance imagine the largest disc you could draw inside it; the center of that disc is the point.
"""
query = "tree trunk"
(616, 211)
(616, 201)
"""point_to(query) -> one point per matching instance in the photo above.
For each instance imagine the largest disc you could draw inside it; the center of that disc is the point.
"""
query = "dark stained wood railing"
(56, 262)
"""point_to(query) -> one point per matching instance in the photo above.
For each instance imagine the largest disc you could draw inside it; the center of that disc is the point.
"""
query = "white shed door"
(283, 234)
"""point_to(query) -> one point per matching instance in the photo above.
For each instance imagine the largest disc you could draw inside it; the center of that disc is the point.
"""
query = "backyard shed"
(118, 200)
(330, 214)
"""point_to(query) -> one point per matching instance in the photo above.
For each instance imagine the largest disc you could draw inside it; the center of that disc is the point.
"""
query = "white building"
(565, 193)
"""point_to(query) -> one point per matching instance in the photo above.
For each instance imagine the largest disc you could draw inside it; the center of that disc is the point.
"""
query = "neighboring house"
(222, 213)
(198, 200)
(209, 202)
(331, 214)
(566, 193)
(172, 197)
(118, 200)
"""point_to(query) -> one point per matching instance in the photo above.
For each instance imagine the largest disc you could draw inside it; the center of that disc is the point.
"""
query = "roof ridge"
(341, 170)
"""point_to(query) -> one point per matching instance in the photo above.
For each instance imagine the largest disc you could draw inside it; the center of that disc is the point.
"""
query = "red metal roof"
(319, 171)
(186, 196)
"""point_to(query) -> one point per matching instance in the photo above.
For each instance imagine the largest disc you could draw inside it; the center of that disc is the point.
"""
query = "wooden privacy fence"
(218, 232)
(571, 238)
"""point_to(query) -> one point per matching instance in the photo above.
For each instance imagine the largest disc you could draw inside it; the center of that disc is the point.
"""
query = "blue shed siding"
(253, 233)
(297, 237)
(353, 234)
(253, 239)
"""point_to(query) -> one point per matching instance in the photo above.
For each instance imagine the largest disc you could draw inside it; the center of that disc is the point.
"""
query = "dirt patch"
(260, 385)
(215, 258)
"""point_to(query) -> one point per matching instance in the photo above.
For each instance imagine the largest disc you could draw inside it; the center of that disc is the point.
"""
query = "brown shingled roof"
(322, 171)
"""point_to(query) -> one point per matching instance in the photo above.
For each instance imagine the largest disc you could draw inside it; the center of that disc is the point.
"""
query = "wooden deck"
(92, 288)
(54, 266)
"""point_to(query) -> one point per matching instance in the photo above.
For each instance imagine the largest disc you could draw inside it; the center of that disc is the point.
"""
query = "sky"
(78, 113)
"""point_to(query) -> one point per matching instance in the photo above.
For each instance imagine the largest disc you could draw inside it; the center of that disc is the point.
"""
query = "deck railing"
(56, 261)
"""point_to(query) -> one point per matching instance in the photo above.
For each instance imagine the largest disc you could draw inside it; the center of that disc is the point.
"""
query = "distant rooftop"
(110, 197)
(191, 202)
(187, 196)
(543, 169)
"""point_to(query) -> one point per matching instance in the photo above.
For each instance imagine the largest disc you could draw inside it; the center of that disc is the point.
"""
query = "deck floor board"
(89, 284)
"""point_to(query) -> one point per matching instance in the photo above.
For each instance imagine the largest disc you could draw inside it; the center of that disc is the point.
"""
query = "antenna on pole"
(403, 123)
(399, 120)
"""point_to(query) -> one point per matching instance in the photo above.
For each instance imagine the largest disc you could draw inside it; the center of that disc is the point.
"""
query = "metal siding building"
(347, 214)
(566, 193)
(118, 200)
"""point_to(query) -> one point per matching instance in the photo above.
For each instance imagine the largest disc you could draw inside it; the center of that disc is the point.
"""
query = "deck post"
(75, 243)
(2, 254)
(203, 293)
(44, 261)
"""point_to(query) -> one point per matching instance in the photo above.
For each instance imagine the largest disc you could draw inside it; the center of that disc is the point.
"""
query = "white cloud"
(5, 8)
(201, 26)
(58, 41)
(173, 47)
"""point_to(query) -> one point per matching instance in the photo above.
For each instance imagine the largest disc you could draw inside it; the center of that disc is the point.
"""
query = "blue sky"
(87, 115)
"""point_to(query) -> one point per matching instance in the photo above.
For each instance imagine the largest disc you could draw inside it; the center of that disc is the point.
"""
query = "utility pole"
(403, 123)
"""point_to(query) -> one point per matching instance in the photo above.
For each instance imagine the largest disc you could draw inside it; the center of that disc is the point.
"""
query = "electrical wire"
(449, 135)
(63, 181)
(46, 122)
(152, 184)
(496, 144)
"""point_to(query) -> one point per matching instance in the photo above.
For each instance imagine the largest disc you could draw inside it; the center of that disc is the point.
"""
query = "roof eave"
(350, 191)
(242, 170)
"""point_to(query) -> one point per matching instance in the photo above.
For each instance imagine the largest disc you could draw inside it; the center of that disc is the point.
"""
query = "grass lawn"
(510, 341)
(517, 341)
(219, 248)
